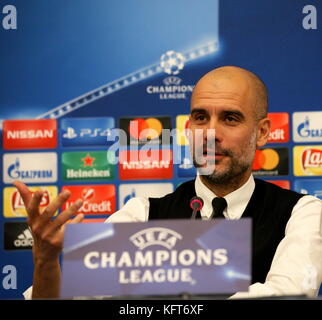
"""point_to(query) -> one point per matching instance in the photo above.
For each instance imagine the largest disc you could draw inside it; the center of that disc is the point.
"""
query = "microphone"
(196, 204)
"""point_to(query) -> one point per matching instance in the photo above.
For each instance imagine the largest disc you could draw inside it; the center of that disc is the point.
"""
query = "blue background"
(65, 49)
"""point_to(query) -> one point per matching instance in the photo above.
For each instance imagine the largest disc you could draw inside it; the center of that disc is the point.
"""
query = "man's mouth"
(213, 154)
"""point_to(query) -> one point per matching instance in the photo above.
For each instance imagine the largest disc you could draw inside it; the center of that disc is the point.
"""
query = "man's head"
(233, 102)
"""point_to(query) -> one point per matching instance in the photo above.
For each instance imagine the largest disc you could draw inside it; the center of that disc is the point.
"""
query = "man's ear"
(263, 130)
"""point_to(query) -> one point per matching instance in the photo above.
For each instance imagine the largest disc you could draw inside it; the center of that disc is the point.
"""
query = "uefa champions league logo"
(172, 62)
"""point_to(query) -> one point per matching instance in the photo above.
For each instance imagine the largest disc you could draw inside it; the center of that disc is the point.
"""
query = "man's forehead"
(235, 91)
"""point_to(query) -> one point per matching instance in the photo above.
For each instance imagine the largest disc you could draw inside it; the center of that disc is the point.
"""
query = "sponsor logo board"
(88, 165)
(182, 122)
(17, 236)
(142, 130)
(86, 131)
(271, 162)
(13, 206)
(38, 167)
(307, 160)
(153, 190)
(145, 165)
(307, 126)
(279, 127)
(29, 134)
(285, 184)
(97, 199)
(309, 186)
(185, 167)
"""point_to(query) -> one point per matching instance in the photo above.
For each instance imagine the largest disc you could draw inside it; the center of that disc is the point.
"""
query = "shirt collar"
(236, 200)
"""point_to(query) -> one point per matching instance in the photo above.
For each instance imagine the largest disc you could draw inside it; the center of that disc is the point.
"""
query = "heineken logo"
(88, 160)
(93, 165)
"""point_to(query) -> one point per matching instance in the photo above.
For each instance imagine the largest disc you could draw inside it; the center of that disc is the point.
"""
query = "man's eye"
(231, 119)
(200, 117)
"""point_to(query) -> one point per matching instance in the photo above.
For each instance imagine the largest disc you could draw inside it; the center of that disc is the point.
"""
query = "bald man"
(230, 103)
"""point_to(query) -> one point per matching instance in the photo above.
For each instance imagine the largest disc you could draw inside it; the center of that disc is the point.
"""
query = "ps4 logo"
(71, 133)
(315, 193)
(86, 131)
(187, 164)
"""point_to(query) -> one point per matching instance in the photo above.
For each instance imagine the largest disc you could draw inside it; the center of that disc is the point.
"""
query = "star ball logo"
(171, 63)
(271, 162)
(87, 165)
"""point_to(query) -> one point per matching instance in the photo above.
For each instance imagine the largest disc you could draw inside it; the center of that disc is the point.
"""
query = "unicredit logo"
(277, 134)
(94, 207)
(312, 158)
(97, 199)
(279, 127)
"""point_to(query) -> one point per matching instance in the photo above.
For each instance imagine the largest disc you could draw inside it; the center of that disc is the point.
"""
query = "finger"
(34, 203)
(25, 193)
(78, 219)
(67, 214)
(56, 204)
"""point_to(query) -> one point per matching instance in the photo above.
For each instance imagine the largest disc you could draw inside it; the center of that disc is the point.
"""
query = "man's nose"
(214, 130)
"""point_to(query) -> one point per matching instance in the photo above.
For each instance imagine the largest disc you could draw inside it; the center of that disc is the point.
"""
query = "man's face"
(226, 106)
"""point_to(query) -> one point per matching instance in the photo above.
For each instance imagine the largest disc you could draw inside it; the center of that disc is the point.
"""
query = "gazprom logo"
(155, 236)
(307, 126)
(305, 131)
(30, 167)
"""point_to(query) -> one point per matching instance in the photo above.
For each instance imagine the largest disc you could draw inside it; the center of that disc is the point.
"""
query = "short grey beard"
(225, 178)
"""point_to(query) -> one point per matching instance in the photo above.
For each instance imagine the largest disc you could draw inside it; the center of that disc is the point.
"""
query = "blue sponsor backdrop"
(98, 58)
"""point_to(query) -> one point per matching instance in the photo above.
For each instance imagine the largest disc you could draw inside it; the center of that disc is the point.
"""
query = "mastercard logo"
(267, 159)
(145, 129)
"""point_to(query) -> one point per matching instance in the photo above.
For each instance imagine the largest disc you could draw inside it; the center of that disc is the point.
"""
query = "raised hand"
(48, 235)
